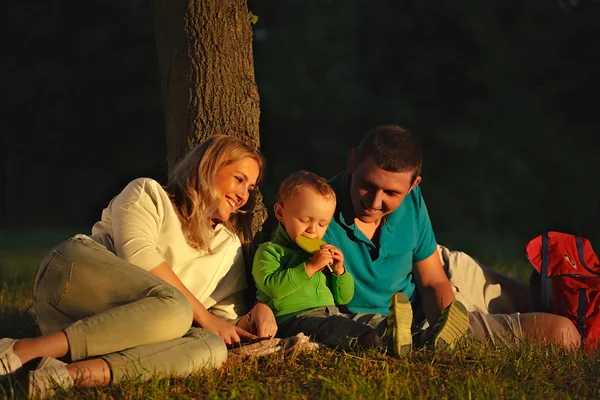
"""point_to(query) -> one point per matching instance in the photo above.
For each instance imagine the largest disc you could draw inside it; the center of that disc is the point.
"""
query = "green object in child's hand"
(308, 244)
(311, 245)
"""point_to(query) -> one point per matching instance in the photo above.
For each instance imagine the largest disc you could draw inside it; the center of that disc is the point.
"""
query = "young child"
(304, 293)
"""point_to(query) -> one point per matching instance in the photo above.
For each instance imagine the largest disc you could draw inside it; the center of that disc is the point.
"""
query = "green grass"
(474, 371)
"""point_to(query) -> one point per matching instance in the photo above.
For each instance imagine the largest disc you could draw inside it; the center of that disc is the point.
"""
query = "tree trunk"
(207, 76)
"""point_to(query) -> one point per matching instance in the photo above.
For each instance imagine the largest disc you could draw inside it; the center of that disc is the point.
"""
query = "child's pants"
(328, 326)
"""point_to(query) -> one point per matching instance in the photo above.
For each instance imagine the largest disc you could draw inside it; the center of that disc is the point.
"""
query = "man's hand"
(338, 259)
(320, 260)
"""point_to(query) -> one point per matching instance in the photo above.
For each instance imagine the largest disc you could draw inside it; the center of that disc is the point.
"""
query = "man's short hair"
(302, 180)
(392, 148)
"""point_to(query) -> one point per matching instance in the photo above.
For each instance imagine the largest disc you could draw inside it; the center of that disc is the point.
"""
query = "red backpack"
(566, 281)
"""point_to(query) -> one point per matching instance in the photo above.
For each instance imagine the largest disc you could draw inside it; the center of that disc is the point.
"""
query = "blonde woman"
(121, 302)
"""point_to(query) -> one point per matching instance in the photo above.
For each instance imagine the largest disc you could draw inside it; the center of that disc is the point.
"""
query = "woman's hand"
(230, 333)
(202, 317)
(262, 321)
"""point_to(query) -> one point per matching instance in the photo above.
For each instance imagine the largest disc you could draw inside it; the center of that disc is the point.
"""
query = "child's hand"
(320, 260)
(338, 259)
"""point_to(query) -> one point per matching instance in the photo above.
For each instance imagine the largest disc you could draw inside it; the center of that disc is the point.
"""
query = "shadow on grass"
(17, 324)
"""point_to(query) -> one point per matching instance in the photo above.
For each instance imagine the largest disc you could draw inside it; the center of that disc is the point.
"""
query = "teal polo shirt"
(406, 237)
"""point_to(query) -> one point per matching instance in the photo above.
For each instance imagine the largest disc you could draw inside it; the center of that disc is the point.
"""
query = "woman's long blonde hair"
(192, 188)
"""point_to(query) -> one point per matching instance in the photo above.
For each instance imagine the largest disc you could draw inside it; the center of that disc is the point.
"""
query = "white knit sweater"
(140, 225)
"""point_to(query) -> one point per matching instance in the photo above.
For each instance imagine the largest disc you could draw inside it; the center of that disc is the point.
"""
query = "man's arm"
(433, 285)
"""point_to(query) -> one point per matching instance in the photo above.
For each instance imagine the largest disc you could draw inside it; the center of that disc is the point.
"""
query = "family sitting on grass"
(158, 288)
(304, 294)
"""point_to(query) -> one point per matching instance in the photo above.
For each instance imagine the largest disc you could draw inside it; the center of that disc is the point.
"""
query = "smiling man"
(382, 226)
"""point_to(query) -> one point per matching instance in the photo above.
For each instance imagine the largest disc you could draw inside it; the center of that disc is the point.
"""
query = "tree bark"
(207, 76)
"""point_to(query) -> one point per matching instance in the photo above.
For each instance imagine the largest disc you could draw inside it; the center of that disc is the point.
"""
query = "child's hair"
(302, 180)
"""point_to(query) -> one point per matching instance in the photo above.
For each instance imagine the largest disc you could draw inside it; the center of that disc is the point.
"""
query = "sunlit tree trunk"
(207, 76)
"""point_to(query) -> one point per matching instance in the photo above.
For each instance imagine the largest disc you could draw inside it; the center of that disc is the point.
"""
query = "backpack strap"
(581, 254)
(544, 294)
(578, 319)
(581, 307)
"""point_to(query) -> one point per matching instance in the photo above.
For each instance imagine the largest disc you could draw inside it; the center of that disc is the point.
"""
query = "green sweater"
(279, 271)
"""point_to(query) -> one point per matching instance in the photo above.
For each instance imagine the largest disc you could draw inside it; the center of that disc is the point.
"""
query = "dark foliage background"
(503, 93)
